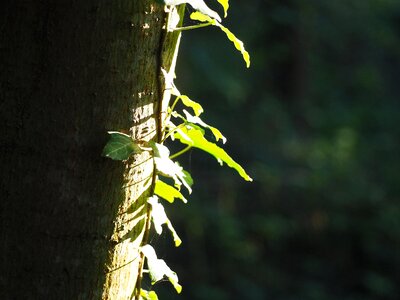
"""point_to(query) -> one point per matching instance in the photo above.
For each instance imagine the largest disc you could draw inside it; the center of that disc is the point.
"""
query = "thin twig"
(180, 152)
(192, 27)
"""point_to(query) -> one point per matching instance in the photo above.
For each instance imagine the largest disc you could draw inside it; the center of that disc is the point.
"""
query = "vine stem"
(175, 103)
(159, 137)
(180, 152)
(192, 27)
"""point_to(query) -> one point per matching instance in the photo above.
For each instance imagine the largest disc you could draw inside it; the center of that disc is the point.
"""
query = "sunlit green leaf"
(149, 252)
(158, 268)
(183, 135)
(168, 168)
(120, 146)
(225, 5)
(198, 140)
(197, 108)
(159, 150)
(196, 120)
(238, 44)
(168, 192)
(198, 16)
(188, 178)
(157, 213)
(153, 295)
(159, 218)
(177, 239)
(148, 295)
(174, 281)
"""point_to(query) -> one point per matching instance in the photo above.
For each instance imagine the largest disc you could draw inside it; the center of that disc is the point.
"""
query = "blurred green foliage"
(315, 121)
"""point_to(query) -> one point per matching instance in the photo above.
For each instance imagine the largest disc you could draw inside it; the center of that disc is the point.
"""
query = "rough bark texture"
(71, 221)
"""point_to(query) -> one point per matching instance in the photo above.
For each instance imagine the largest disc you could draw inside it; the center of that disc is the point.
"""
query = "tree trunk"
(71, 221)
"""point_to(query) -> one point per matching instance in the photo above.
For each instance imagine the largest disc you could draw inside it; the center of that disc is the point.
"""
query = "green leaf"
(158, 268)
(148, 295)
(174, 281)
(197, 139)
(238, 44)
(177, 239)
(168, 192)
(157, 213)
(159, 150)
(149, 252)
(197, 108)
(159, 218)
(168, 168)
(198, 16)
(196, 120)
(188, 178)
(225, 5)
(153, 295)
(120, 146)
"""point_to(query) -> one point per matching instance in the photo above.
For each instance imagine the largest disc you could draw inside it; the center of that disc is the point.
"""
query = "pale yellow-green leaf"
(196, 120)
(149, 252)
(148, 295)
(177, 239)
(238, 44)
(198, 16)
(218, 135)
(157, 214)
(158, 268)
(198, 140)
(168, 168)
(225, 5)
(183, 135)
(153, 295)
(159, 218)
(176, 285)
(197, 108)
(159, 150)
(168, 192)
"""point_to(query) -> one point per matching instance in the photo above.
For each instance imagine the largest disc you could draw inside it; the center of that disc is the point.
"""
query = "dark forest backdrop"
(315, 121)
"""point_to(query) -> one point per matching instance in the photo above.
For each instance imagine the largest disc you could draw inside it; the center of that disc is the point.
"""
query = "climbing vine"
(184, 126)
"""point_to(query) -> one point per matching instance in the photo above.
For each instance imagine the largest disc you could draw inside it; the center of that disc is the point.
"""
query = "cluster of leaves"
(322, 220)
(189, 129)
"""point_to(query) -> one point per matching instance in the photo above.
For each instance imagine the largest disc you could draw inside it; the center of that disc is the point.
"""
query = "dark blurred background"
(315, 121)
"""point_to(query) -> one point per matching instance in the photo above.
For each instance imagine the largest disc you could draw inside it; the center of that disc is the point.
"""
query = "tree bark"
(71, 221)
